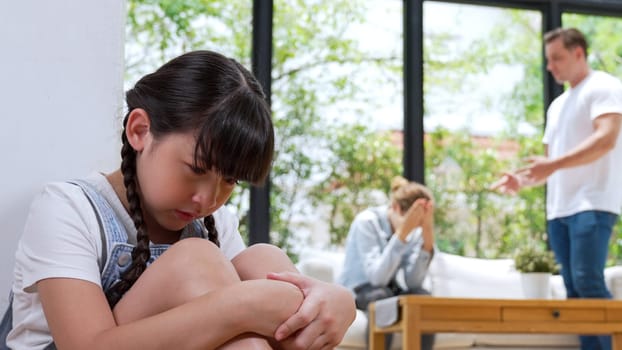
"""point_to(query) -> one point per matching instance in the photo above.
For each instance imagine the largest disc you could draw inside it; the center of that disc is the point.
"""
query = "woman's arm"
(417, 262)
(379, 262)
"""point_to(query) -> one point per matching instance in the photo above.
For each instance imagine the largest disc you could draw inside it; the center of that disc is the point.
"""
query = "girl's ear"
(138, 128)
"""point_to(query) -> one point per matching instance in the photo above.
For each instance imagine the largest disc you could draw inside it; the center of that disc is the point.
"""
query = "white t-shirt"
(62, 239)
(593, 186)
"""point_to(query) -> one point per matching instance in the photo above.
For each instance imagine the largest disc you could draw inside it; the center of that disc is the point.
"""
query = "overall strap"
(110, 228)
(6, 324)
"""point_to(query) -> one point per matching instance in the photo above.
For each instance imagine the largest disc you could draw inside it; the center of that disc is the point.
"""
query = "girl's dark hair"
(222, 103)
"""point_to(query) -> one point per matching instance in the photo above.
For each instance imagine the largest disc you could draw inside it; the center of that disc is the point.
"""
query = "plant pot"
(536, 285)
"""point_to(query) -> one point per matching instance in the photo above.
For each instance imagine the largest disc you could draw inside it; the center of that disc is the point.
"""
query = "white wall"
(61, 72)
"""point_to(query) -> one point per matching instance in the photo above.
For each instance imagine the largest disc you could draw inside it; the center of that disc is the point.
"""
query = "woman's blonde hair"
(405, 193)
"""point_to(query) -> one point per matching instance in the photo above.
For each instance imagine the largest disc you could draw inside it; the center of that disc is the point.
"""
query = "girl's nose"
(207, 196)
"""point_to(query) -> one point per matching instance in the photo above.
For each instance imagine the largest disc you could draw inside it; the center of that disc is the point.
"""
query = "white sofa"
(457, 276)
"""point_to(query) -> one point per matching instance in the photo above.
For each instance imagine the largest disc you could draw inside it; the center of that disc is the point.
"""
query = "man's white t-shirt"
(593, 186)
(62, 239)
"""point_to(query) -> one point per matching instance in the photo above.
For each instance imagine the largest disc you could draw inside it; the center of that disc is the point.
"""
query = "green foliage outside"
(328, 169)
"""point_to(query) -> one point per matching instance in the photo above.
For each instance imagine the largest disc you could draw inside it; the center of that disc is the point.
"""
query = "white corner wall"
(61, 95)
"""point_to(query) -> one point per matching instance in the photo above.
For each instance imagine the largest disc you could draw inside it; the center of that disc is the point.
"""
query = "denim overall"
(116, 251)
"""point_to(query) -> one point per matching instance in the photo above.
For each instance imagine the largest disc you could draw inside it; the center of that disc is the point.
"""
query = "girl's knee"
(265, 250)
(195, 264)
(257, 260)
(188, 269)
(195, 252)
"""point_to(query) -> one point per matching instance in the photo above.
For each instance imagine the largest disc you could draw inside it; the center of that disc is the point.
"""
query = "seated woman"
(384, 241)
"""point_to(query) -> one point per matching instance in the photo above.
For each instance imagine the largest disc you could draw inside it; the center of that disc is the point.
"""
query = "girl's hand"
(323, 318)
(275, 301)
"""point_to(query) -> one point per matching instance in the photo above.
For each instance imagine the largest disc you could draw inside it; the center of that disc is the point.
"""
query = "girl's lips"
(185, 215)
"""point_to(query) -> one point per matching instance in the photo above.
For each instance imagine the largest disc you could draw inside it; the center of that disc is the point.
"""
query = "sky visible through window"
(382, 34)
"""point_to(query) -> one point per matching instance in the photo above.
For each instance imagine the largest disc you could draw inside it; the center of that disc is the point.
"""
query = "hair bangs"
(236, 138)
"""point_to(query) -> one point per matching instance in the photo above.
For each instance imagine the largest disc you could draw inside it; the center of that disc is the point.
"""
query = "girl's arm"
(79, 316)
(325, 315)
(326, 312)
(189, 298)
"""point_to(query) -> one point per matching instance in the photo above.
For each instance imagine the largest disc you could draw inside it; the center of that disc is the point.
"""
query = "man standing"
(582, 150)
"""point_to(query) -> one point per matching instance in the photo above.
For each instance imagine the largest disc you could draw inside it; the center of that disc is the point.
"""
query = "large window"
(337, 91)
(338, 86)
(483, 113)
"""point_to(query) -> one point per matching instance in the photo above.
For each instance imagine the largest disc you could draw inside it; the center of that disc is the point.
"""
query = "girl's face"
(175, 192)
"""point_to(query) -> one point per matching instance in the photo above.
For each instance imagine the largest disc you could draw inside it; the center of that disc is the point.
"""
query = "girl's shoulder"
(59, 197)
(63, 197)
(60, 237)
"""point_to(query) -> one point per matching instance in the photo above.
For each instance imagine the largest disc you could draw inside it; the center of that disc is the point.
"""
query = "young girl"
(389, 240)
(119, 260)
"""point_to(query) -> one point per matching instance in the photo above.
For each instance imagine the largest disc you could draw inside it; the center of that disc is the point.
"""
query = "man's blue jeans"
(581, 243)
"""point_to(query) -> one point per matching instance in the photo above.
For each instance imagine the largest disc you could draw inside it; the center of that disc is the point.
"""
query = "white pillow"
(463, 277)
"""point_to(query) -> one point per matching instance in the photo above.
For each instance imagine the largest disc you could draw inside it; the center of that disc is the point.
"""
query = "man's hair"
(571, 38)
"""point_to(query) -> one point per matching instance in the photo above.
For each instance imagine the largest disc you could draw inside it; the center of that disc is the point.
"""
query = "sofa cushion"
(464, 277)
(318, 268)
(613, 277)
(316, 263)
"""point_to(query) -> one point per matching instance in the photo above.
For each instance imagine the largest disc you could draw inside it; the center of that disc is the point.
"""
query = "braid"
(212, 233)
(140, 253)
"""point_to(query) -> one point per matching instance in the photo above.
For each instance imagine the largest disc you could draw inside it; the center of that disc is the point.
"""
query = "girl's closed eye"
(231, 181)
(197, 170)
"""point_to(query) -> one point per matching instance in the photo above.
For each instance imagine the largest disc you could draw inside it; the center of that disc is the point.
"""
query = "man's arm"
(601, 141)
(514, 181)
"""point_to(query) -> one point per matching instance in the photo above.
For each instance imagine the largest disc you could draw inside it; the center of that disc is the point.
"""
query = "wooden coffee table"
(426, 314)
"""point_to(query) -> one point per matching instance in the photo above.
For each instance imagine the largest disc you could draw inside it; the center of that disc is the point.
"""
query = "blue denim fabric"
(119, 258)
(7, 324)
(581, 243)
(116, 251)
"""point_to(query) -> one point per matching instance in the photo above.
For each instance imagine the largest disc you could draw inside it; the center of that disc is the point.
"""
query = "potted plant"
(536, 266)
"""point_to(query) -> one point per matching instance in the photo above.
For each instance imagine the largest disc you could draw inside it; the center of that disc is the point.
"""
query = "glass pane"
(483, 114)
(158, 31)
(337, 90)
